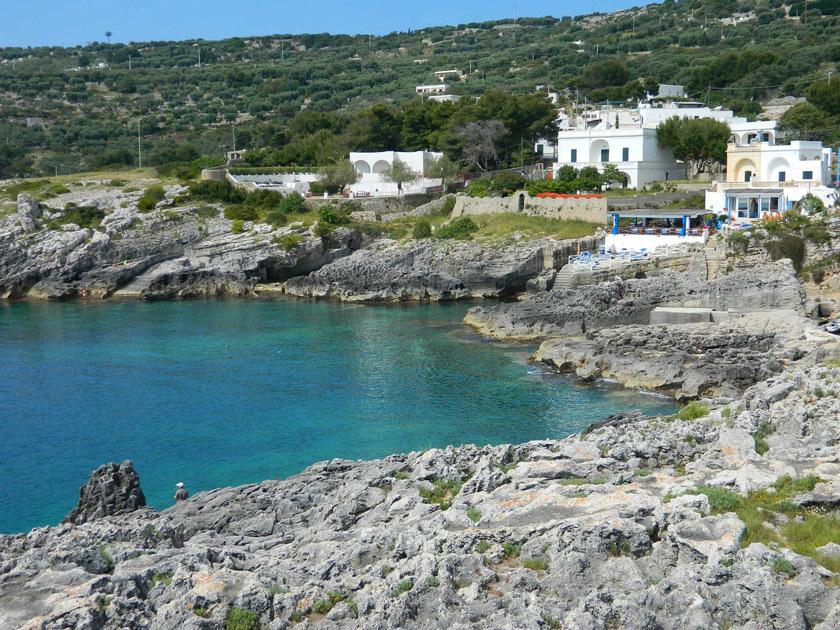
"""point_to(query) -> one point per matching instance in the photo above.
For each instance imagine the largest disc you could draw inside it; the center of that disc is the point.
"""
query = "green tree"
(697, 142)
(444, 169)
(825, 95)
(400, 173)
(805, 121)
(339, 175)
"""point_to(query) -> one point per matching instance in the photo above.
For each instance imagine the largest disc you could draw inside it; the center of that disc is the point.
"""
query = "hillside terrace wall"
(589, 209)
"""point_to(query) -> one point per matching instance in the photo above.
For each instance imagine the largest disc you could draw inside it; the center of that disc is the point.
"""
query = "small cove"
(225, 392)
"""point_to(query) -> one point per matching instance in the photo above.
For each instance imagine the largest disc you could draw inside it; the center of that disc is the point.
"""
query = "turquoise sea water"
(216, 393)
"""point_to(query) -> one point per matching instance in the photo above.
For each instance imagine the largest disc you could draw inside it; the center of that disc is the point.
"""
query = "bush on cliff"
(150, 198)
(333, 216)
(83, 216)
(241, 619)
(422, 229)
(241, 213)
(462, 228)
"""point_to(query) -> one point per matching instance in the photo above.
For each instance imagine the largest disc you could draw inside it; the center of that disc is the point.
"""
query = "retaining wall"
(592, 210)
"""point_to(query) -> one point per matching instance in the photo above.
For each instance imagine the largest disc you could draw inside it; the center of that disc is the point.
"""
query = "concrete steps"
(712, 256)
(563, 280)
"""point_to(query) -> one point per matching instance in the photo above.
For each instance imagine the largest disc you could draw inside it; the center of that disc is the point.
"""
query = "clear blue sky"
(72, 22)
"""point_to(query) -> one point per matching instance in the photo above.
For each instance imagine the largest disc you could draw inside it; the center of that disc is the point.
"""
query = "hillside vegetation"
(92, 98)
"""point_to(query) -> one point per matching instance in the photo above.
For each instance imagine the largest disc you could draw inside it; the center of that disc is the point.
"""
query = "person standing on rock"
(181, 493)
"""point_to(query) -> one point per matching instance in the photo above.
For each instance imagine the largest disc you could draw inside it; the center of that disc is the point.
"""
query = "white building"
(445, 98)
(372, 169)
(436, 88)
(763, 177)
(627, 138)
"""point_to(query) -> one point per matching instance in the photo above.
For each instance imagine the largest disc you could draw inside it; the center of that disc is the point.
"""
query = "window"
(806, 175)
(539, 149)
(781, 176)
(743, 205)
(747, 176)
(574, 156)
(625, 154)
(605, 155)
(765, 204)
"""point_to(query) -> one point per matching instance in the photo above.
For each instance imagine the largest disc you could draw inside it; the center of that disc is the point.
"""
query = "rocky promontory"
(722, 518)
(433, 271)
(562, 311)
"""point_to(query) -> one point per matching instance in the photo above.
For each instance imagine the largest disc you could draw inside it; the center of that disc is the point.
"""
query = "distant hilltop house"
(235, 157)
(35, 121)
(434, 88)
(626, 137)
(764, 178)
(373, 170)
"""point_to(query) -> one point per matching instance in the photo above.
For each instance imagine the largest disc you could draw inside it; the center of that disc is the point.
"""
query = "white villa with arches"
(627, 138)
(764, 177)
(372, 169)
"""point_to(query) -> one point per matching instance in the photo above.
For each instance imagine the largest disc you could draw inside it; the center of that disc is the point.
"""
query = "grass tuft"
(442, 493)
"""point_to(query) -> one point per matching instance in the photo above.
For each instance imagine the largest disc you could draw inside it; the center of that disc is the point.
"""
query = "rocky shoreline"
(637, 523)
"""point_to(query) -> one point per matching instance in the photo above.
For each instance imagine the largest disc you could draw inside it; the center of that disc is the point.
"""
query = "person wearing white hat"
(181, 493)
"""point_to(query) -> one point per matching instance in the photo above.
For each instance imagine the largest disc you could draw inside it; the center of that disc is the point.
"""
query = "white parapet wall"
(639, 242)
(589, 208)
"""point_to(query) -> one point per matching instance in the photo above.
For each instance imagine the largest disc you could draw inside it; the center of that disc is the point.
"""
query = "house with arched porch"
(764, 177)
(373, 168)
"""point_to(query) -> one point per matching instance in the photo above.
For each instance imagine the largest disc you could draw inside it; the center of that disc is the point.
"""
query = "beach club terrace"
(646, 229)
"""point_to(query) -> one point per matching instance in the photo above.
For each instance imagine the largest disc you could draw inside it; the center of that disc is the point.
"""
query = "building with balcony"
(763, 178)
(626, 138)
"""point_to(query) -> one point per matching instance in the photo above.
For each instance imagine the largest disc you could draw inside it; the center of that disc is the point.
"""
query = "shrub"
(473, 514)
(332, 215)
(442, 493)
(422, 229)
(760, 436)
(482, 546)
(448, 205)
(164, 578)
(432, 582)
(198, 611)
(83, 216)
(240, 619)
(146, 204)
(276, 218)
(783, 565)
(237, 226)
(535, 564)
(323, 606)
(287, 242)
(721, 499)
(207, 212)
(323, 230)
(511, 550)
(241, 213)
(402, 587)
(222, 191)
(787, 246)
(507, 183)
(693, 411)
(461, 228)
(292, 204)
(481, 187)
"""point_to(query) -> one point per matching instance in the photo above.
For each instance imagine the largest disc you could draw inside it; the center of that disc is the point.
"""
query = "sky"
(76, 22)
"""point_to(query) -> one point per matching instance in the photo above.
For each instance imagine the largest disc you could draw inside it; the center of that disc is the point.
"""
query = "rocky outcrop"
(113, 489)
(426, 271)
(614, 528)
(693, 360)
(574, 311)
(167, 253)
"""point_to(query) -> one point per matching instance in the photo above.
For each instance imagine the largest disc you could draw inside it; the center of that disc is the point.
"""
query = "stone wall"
(592, 210)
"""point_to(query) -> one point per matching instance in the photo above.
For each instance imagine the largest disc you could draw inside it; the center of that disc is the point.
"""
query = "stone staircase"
(563, 279)
(712, 255)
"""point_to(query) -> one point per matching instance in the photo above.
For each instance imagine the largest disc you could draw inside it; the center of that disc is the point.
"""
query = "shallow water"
(219, 393)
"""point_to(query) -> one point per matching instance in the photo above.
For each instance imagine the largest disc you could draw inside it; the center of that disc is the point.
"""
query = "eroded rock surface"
(693, 360)
(426, 270)
(574, 311)
(113, 489)
(168, 253)
(594, 531)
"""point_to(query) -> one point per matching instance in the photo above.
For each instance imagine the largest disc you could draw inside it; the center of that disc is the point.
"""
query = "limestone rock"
(112, 489)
